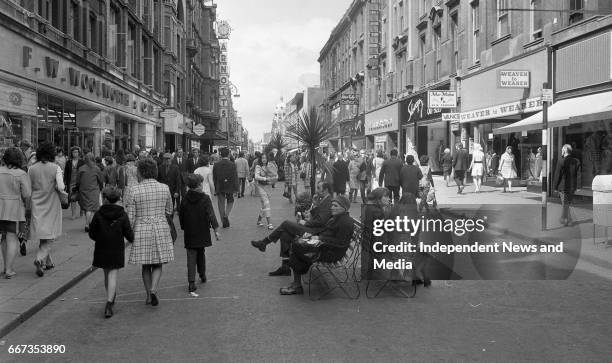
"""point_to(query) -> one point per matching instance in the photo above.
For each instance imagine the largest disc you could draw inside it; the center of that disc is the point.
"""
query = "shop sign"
(168, 114)
(349, 99)
(547, 95)
(174, 124)
(507, 109)
(17, 100)
(441, 99)
(513, 79)
(382, 120)
(95, 119)
(199, 129)
(454, 126)
(451, 116)
(380, 138)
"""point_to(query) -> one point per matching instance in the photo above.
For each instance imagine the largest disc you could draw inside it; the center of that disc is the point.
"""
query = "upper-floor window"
(576, 8)
(535, 21)
(475, 32)
(503, 18)
(437, 39)
(454, 38)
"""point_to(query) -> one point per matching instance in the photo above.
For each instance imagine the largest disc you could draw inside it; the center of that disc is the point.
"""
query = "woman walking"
(354, 170)
(89, 184)
(148, 204)
(292, 175)
(47, 183)
(15, 193)
(447, 165)
(478, 166)
(108, 228)
(507, 168)
(263, 182)
(205, 170)
(70, 179)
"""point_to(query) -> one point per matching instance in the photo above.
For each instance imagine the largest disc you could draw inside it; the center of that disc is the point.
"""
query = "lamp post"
(234, 93)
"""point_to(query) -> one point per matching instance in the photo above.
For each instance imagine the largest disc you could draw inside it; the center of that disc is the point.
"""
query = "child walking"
(108, 227)
(197, 217)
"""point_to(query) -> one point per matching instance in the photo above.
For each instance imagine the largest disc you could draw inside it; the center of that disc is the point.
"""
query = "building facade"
(95, 74)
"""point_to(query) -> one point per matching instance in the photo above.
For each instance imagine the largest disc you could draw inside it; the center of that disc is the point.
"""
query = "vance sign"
(513, 79)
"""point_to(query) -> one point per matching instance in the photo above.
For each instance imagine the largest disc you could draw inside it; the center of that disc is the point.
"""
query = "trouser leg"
(191, 264)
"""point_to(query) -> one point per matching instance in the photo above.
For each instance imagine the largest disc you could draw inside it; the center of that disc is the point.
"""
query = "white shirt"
(208, 186)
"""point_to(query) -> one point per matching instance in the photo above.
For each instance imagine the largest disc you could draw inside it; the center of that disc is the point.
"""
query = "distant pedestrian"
(206, 172)
(262, 182)
(110, 173)
(460, 164)
(566, 181)
(197, 217)
(71, 173)
(377, 165)
(108, 228)
(410, 177)
(89, 184)
(292, 175)
(170, 175)
(426, 183)
(447, 165)
(478, 166)
(60, 158)
(242, 168)
(47, 183)
(507, 168)
(148, 205)
(354, 170)
(390, 175)
(225, 177)
(15, 193)
(128, 174)
(340, 175)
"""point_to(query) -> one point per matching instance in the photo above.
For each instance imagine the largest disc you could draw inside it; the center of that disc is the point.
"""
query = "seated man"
(288, 230)
(329, 245)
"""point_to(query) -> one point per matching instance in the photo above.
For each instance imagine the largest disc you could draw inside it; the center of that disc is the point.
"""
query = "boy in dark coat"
(197, 217)
(108, 227)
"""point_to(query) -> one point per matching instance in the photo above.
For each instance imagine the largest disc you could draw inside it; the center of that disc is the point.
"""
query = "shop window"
(503, 18)
(55, 110)
(42, 107)
(69, 114)
(576, 8)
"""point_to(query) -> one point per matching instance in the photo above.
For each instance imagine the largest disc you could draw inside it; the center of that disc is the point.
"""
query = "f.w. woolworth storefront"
(49, 95)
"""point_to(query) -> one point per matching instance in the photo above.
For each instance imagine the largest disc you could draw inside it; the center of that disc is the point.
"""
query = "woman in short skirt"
(507, 168)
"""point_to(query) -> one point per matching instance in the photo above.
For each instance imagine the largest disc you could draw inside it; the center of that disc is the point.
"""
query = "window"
(422, 55)
(576, 11)
(422, 7)
(75, 20)
(503, 18)
(535, 21)
(178, 92)
(475, 33)
(147, 62)
(93, 32)
(157, 71)
(132, 59)
(55, 14)
(437, 39)
(454, 38)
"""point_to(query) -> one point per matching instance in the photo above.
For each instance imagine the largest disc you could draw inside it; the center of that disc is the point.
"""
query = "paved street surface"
(239, 315)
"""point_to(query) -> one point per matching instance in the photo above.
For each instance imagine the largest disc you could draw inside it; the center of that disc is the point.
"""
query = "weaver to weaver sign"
(513, 79)
(441, 99)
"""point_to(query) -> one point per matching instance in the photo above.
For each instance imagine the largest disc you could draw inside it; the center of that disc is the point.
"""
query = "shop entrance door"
(53, 134)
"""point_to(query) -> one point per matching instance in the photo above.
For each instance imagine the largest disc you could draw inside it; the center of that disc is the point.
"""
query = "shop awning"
(566, 112)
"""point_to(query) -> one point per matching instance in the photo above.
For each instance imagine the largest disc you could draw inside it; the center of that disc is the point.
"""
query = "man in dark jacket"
(288, 230)
(328, 245)
(170, 175)
(461, 161)
(566, 181)
(340, 175)
(181, 161)
(225, 177)
(390, 174)
(410, 176)
(192, 161)
(197, 217)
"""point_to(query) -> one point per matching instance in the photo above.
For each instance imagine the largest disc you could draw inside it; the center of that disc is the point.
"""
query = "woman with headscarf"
(478, 166)
(447, 165)
(71, 172)
(507, 168)
(148, 205)
(47, 182)
(15, 192)
(89, 184)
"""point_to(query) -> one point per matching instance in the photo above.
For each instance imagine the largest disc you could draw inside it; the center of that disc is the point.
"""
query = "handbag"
(499, 180)
(303, 175)
(287, 193)
(63, 197)
(173, 233)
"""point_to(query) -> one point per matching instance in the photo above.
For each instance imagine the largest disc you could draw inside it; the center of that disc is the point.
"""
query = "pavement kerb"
(44, 302)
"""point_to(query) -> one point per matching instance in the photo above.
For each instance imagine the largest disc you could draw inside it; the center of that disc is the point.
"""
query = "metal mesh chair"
(343, 273)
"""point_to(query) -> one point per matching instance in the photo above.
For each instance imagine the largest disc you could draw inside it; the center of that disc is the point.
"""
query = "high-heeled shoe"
(108, 311)
(154, 300)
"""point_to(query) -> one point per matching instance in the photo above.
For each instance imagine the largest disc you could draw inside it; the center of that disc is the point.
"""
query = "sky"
(273, 51)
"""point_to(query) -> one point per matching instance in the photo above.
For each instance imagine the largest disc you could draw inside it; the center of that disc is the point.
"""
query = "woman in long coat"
(354, 184)
(89, 184)
(70, 178)
(148, 203)
(47, 179)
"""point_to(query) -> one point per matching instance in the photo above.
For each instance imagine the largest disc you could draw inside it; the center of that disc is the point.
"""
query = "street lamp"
(234, 93)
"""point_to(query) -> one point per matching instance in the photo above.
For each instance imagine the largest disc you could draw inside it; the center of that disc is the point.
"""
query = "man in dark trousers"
(410, 176)
(170, 175)
(461, 161)
(566, 181)
(340, 175)
(288, 230)
(390, 175)
(225, 177)
(192, 162)
(181, 161)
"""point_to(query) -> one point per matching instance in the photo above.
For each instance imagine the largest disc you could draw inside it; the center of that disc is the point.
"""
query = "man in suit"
(461, 161)
(566, 181)
(170, 175)
(225, 177)
(192, 162)
(242, 166)
(410, 176)
(181, 162)
(288, 230)
(390, 175)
